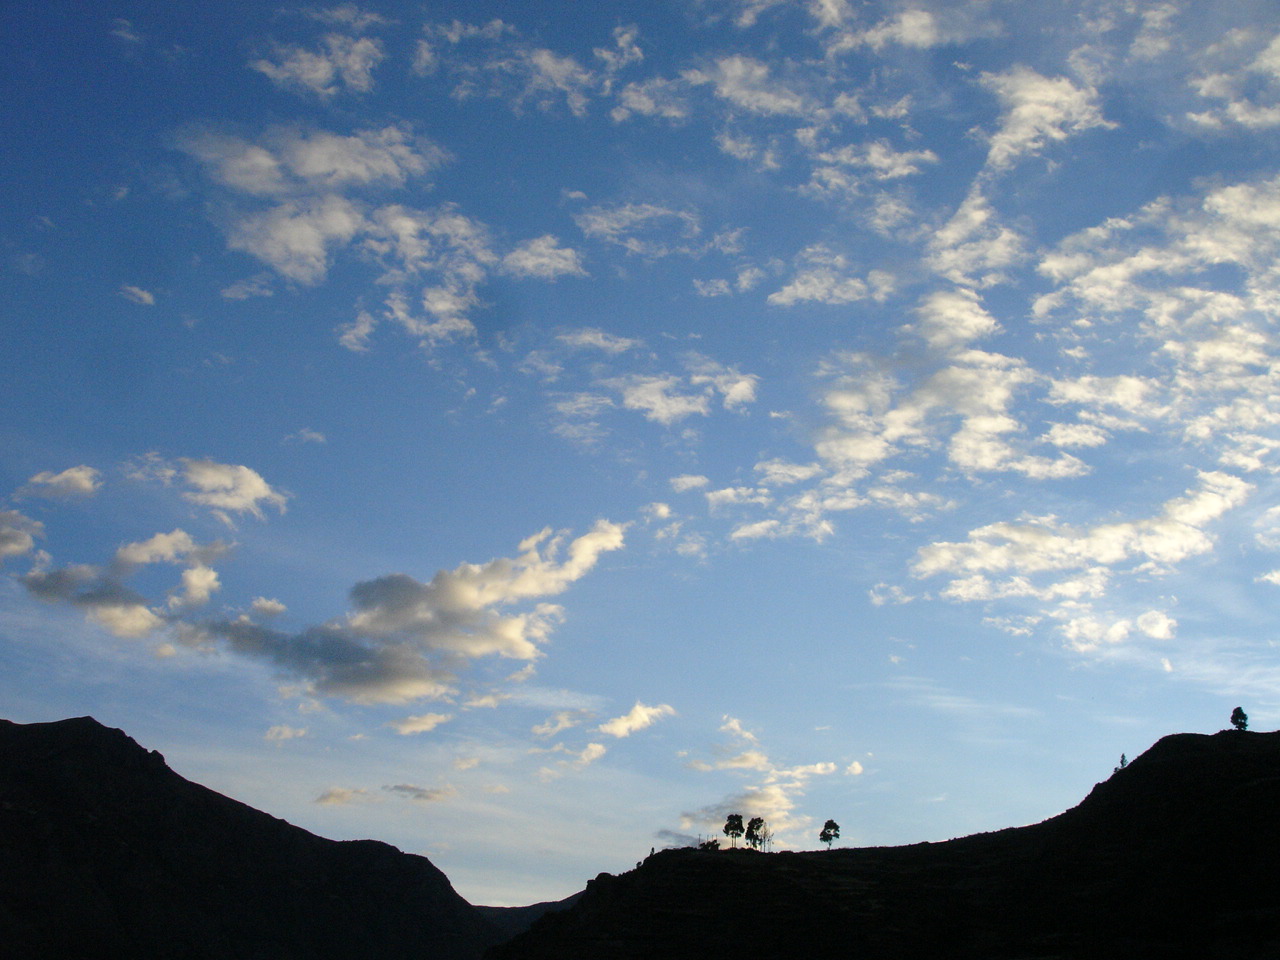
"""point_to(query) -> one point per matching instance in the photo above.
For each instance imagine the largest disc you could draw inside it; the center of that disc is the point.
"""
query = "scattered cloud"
(638, 717)
(72, 483)
(137, 295)
(422, 723)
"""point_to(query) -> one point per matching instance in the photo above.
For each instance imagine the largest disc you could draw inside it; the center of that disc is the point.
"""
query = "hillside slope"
(1176, 856)
(106, 852)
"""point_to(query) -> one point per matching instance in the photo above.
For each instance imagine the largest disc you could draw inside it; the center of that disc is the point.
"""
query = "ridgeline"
(106, 852)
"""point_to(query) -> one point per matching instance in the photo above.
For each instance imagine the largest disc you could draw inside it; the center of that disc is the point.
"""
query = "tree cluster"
(755, 832)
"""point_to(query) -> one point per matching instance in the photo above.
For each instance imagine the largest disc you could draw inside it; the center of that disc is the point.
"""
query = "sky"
(526, 433)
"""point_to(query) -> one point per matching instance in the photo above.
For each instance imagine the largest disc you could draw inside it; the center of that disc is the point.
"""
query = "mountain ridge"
(1174, 856)
(107, 852)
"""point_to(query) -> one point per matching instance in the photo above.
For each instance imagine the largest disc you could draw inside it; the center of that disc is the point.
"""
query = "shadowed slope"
(1176, 856)
(106, 852)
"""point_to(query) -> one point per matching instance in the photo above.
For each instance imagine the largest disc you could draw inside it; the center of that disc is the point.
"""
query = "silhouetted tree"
(1124, 762)
(733, 827)
(765, 836)
(830, 832)
(712, 844)
(1239, 719)
(754, 826)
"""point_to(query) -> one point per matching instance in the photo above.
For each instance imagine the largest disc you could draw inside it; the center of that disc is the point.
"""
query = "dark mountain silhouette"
(105, 853)
(1175, 856)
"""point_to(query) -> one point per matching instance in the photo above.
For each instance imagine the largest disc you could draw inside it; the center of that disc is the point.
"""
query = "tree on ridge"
(1239, 719)
(733, 828)
(830, 832)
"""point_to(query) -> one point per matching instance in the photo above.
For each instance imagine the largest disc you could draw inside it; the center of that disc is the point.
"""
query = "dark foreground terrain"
(106, 852)
(1175, 856)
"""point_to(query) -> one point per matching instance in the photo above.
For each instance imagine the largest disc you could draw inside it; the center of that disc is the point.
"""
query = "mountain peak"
(106, 852)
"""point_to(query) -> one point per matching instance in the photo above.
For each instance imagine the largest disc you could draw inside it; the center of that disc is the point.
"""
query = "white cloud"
(344, 61)
(854, 769)
(74, 482)
(1157, 625)
(637, 718)
(265, 607)
(1042, 545)
(746, 83)
(591, 338)
(421, 723)
(644, 229)
(17, 533)
(823, 277)
(137, 295)
(655, 97)
(688, 481)
(456, 610)
(658, 397)
(953, 318)
(973, 248)
(282, 732)
(543, 258)
(341, 796)
(296, 237)
(1037, 109)
(228, 488)
(558, 722)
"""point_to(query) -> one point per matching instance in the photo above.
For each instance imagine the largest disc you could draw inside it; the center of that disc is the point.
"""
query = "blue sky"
(526, 433)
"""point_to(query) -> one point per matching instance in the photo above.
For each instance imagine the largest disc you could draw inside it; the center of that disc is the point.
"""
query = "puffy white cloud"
(1041, 545)
(290, 161)
(17, 533)
(456, 610)
(343, 61)
(637, 718)
(746, 84)
(658, 397)
(296, 237)
(74, 482)
(229, 488)
(265, 607)
(823, 277)
(973, 249)
(421, 723)
(199, 583)
(952, 318)
(877, 158)
(655, 97)
(1037, 109)
(1157, 624)
(544, 258)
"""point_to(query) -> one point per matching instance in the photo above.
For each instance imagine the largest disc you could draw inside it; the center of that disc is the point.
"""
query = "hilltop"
(105, 852)
(1175, 856)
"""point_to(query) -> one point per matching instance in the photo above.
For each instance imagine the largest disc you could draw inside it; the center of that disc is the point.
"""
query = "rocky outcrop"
(105, 853)
(1175, 856)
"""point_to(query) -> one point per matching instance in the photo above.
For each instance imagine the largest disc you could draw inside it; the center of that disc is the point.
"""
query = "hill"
(105, 852)
(1175, 856)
